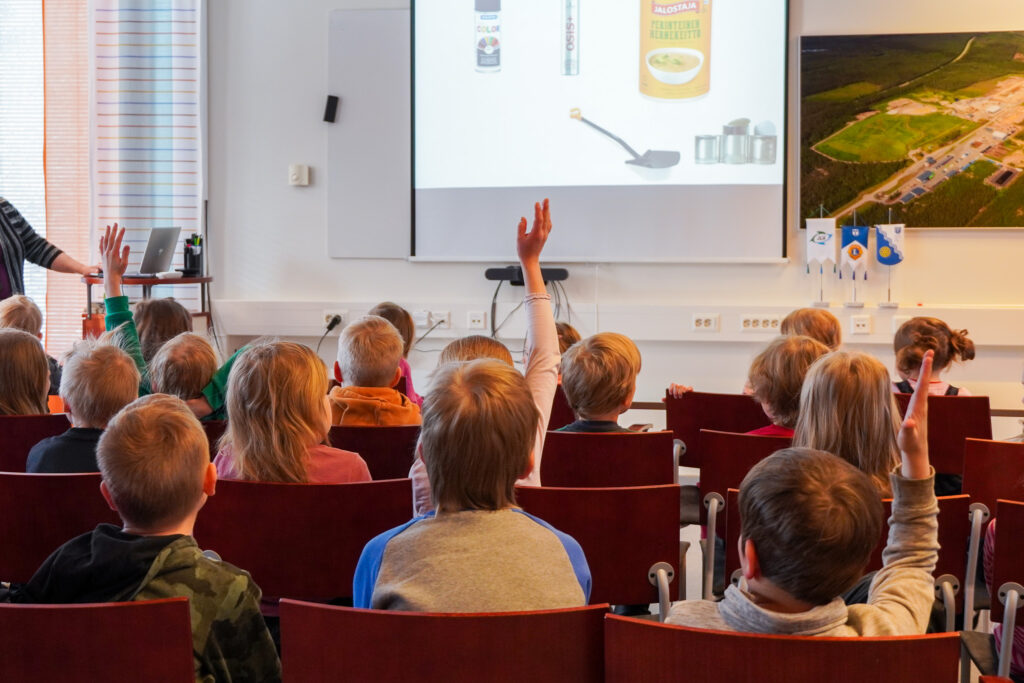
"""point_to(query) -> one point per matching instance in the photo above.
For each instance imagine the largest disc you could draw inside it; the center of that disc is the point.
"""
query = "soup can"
(675, 48)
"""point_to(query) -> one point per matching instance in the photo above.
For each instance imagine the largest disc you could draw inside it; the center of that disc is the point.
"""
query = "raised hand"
(115, 259)
(530, 244)
(912, 438)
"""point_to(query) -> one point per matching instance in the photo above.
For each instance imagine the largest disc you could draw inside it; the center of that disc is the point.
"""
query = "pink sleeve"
(542, 359)
(421, 503)
(403, 364)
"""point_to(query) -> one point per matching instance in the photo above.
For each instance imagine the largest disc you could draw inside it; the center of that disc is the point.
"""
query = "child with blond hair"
(477, 551)
(157, 475)
(99, 380)
(21, 313)
(599, 380)
(279, 417)
(369, 352)
(183, 366)
(809, 522)
(24, 374)
(816, 323)
(540, 351)
(776, 377)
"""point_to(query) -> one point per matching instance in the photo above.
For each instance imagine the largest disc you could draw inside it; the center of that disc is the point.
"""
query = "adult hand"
(912, 438)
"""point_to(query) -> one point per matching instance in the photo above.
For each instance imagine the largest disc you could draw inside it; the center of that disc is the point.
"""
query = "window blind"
(147, 123)
(21, 122)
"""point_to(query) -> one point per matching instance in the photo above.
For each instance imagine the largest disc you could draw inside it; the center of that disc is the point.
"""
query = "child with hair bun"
(919, 335)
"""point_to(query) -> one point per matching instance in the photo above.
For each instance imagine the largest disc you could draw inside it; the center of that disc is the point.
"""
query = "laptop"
(159, 252)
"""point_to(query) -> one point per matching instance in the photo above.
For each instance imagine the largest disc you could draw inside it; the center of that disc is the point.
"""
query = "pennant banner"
(889, 243)
(821, 242)
(855, 248)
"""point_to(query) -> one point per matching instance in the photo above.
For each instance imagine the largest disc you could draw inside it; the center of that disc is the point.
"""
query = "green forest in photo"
(854, 151)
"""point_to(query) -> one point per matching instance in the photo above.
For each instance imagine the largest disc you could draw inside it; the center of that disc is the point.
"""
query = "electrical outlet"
(443, 319)
(421, 318)
(860, 324)
(706, 322)
(897, 322)
(476, 320)
(760, 322)
(331, 312)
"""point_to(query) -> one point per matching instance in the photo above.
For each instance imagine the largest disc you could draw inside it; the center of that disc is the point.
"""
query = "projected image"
(552, 93)
(925, 128)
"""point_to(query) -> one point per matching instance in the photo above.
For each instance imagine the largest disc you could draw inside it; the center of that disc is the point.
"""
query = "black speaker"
(331, 109)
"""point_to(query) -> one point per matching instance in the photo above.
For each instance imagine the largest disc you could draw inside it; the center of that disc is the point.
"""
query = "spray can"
(570, 37)
(488, 35)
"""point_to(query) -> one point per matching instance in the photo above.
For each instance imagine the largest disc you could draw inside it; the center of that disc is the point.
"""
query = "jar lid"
(736, 127)
(488, 5)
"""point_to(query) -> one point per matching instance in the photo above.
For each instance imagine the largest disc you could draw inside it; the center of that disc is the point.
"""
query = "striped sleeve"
(36, 248)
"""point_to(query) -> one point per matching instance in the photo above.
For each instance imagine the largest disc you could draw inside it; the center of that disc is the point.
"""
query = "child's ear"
(529, 467)
(337, 373)
(749, 560)
(398, 376)
(210, 480)
(106, 496)
(628, 403)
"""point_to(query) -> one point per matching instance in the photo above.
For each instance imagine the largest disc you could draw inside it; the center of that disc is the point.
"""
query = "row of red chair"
(152, 642)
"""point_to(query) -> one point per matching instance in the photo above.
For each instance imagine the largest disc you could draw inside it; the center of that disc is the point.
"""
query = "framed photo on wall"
(921, 129)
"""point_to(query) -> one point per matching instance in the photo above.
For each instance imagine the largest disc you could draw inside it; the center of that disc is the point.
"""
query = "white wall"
(267, 76)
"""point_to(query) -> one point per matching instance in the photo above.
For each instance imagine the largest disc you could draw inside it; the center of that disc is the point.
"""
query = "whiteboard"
(369, 146)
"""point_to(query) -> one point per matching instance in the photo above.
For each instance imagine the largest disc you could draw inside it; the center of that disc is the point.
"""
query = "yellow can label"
(675, 48)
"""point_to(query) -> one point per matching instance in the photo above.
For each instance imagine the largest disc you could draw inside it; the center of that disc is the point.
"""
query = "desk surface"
(149, 281)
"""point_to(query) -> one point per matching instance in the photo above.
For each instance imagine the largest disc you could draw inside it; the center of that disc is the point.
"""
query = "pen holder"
(193, 260)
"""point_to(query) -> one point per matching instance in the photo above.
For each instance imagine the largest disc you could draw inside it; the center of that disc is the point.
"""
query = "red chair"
(637, 650)
(726, 458)
(993, 470)
(951, 419)
(119, 641)
(694, 411)
(320, 643)
(561, 412)
(19, 433)
(612, 459)
(41, 512)
(402, 386)
(625, 534)
(214, 430)
(388, 451)
(1007, 593)
(300, 540)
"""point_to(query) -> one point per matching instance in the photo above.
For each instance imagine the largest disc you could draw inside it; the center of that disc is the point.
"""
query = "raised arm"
(118, 314)
(542, 355)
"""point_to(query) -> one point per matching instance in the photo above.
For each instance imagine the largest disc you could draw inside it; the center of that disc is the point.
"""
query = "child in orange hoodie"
(369, 353)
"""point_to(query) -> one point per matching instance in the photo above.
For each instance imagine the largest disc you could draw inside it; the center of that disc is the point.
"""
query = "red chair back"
(41, 512)
(623, 533)
(561, 413)
(126, 641)
(993, 470)
(695, 411)
(320, 643)
(727, 457)
(214, 430)
(1008, 564)
(388, 451)
(612, 459)
(954, 534)
(646, 651)
(300, 540)
(19, 433)
(951, 419)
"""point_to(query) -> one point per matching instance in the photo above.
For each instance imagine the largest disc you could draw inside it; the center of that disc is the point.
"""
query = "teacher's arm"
(41, 252)
(65, 264)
